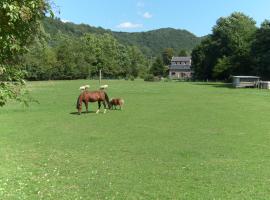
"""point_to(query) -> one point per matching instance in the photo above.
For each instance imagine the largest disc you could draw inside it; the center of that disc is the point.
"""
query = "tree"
(158, 68)
(167, 55)
(39, 61)
(231, 40)
(203, 59)
(19, 24)
(138, 62)
(183, 53)
(222, 67)
(261, 50)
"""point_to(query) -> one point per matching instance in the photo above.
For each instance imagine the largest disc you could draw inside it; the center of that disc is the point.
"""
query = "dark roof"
(179, 59)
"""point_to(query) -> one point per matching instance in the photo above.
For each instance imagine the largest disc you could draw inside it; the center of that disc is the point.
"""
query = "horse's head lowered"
(99, 96)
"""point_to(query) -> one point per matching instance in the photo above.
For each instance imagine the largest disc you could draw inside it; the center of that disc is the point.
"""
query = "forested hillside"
(154, 42)
(151, 43)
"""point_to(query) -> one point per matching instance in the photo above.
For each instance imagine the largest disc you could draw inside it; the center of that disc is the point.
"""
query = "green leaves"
(167, 55)
(227, 51)
(261, 50)
(158, 69)
(222, 67)
(113, 58)
(19, 26)
(12, 85)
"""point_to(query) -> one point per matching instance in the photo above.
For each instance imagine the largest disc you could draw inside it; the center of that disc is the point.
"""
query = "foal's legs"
(99, 105)
(104, 104)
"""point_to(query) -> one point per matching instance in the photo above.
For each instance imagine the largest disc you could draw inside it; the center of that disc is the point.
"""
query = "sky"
(196, 16)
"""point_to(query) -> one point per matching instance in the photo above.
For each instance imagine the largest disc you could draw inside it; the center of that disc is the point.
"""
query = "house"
(180, 68)
(245, 81)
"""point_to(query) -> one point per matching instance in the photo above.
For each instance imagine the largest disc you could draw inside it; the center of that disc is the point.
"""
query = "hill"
(155, 41)
(150, 42)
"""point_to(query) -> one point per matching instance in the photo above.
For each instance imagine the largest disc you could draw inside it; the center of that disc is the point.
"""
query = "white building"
(180, 68)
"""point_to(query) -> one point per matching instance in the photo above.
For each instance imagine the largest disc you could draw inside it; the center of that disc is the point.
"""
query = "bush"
(167, 80)
(132, 78)
(149, 77)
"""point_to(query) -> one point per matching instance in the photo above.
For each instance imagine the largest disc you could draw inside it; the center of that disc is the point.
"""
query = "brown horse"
(117, 102)
(93, 96)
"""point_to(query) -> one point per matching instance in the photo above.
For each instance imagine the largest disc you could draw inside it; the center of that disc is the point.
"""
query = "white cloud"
(147, 15)
(129, 25)
(64, 20)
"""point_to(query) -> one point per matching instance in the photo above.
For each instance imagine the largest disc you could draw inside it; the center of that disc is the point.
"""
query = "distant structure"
(180, 68)
(245, 81)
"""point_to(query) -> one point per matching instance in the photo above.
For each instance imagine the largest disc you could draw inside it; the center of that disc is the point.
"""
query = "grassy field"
(173, 140)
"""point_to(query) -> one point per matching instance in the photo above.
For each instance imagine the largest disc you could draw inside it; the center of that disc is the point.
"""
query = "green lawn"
(173, 140)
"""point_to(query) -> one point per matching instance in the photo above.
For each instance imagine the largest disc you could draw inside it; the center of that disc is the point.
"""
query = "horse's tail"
(107, 100)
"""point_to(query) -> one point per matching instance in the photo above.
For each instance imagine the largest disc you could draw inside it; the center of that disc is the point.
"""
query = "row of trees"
(235, 47)
(63, 56)
(66, 57)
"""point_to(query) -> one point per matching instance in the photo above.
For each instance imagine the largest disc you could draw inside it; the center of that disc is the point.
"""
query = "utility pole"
(99, 77)
(89, 73)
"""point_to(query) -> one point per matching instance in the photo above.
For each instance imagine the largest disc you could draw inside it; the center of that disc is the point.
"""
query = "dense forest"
(235, 47)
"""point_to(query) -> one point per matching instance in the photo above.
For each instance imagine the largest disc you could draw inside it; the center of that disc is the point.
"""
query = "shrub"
(167, 80)
(149, 77)
(132, 78)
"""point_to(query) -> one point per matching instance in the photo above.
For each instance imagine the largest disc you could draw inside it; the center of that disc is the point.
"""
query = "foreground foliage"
(19, 25)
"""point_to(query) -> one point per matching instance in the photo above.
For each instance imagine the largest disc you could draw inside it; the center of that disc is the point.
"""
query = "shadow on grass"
(116, 109)
(217, 85)
(83, 112)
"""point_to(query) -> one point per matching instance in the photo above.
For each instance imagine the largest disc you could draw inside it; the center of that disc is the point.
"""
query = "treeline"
(235, 47)
(67, 57)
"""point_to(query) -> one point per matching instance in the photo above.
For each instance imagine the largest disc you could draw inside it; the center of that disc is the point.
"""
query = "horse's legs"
(99, 105)
(79, 110)
(104, 104)
(86, 106)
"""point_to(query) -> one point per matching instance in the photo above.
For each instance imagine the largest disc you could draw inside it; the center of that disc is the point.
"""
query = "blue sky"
(196, 16)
